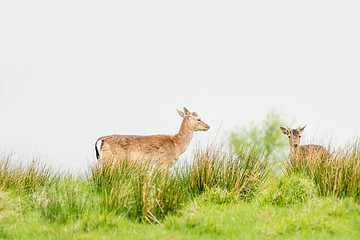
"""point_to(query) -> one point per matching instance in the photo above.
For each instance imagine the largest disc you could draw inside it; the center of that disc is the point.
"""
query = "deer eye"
(289, 136)
(199, 120)
(299, 136)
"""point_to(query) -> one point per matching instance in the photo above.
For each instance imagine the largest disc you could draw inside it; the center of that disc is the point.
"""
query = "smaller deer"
(299, 152)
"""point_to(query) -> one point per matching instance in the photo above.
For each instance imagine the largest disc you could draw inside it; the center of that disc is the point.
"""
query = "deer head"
(194, 121)
(294, 135)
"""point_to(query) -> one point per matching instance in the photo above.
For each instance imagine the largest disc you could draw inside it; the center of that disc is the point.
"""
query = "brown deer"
(166, 148)
(301, 152)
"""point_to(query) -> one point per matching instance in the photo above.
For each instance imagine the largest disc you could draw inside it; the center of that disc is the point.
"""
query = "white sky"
(73, 71)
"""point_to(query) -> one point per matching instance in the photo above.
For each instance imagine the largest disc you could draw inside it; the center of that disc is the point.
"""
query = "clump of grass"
(63, 199)
(337, 175)
(219, 196)
(303, 161)
(56, 198)
(243, 173)
(20, 177)
(141, 190)
(290, 190)
(340, 177)
(8, 206)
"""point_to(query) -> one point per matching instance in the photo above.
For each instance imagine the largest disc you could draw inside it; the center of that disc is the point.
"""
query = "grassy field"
(220, 195)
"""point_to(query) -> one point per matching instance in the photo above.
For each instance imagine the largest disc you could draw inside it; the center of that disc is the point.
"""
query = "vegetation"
(264, 136)
(243, 173)
(337, 175)
(290, 190)
(140, 191)
(221, 194)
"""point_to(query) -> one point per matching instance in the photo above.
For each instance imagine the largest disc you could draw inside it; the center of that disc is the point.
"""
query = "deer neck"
(294, 150)
(291, 155)
(184, 136)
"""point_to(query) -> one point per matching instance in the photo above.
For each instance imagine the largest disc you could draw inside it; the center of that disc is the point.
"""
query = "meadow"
(218, 195)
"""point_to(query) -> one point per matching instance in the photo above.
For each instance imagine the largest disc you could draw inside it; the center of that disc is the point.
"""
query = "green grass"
(289, 190)
(319, 218)
(220, 195)
(316, 219)
(243, 173)
(337, 175)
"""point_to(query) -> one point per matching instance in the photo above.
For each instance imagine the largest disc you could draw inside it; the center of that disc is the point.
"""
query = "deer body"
(307, 149)
(301, 152)
(166, 148)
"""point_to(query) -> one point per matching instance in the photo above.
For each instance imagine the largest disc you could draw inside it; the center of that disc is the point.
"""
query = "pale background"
(72, 71)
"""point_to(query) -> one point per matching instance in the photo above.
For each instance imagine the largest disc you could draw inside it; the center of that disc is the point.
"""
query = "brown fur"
(304, 151)
(167, 148)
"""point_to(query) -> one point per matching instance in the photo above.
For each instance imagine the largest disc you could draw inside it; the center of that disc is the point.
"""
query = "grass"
(243, 173)
(319, 218)
(219, 195)
(143, 192)
(337, 175)
(289, 190)
(22, 177)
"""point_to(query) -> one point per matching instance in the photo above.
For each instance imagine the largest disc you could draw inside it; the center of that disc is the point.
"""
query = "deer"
(301, 152)
(166, 148)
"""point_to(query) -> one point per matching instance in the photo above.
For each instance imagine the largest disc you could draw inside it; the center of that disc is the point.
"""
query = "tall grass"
(63, 199)
(337, 175)
(242, 173)
(144, 191)
(23, 176)
(141, 190)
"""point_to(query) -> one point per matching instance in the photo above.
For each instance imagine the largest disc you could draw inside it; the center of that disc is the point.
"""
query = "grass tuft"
(242, 174)
(290, 190)
(337, 175)
(23, 177)
(142, 191)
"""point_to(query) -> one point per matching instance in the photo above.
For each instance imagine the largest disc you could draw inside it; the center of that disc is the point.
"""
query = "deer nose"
(295, 144)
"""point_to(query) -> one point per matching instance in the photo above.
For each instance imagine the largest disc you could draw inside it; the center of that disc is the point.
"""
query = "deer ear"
(302, 129)
(284, 131)
(181, 113)
(187, 112)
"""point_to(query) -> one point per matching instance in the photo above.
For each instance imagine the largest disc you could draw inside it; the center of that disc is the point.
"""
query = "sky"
(73, 71)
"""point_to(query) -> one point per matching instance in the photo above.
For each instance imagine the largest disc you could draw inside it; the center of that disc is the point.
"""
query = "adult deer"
(166, 148)
(299, 152)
